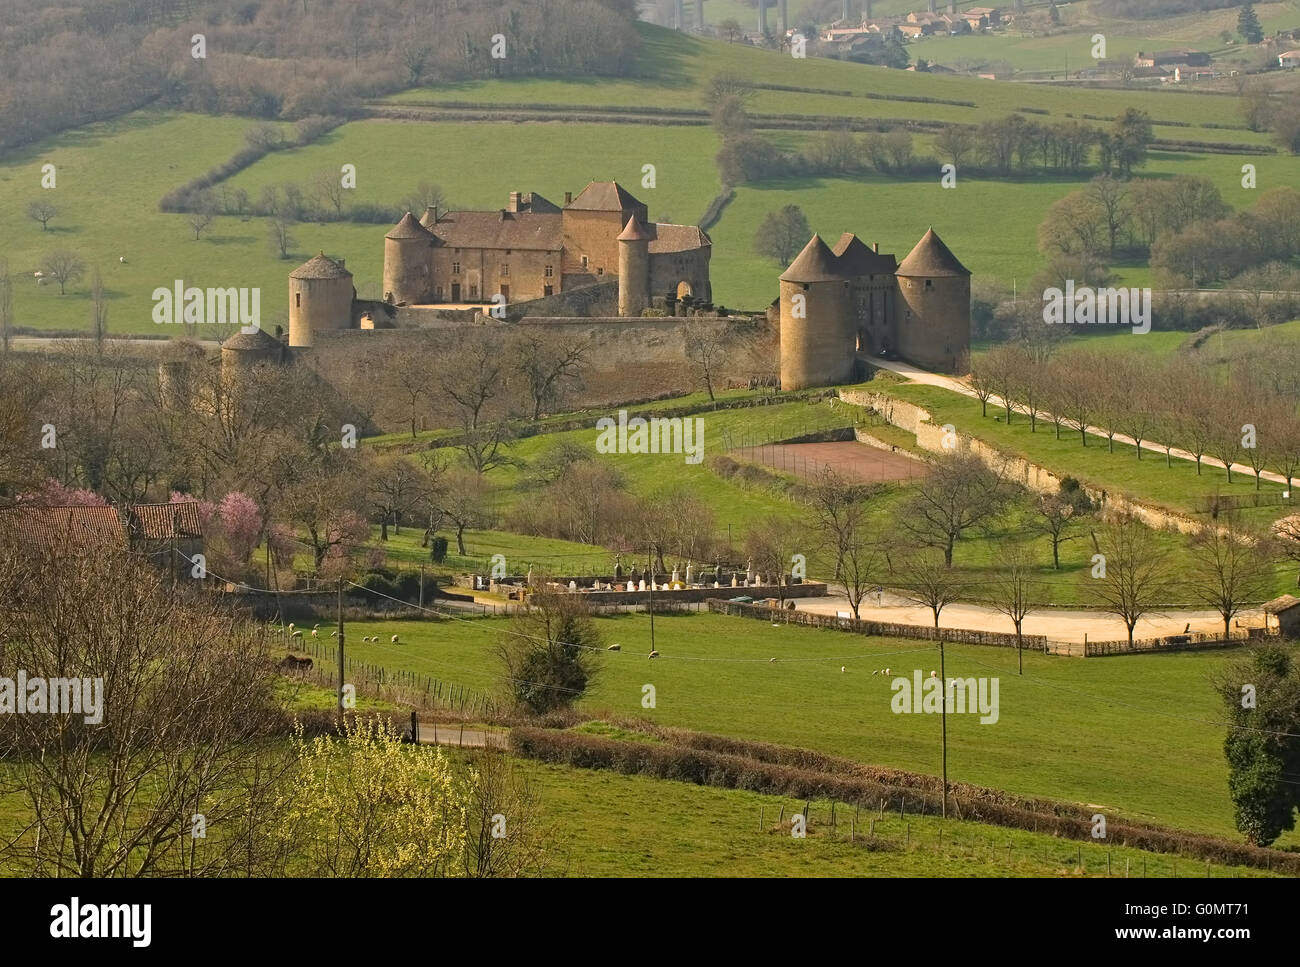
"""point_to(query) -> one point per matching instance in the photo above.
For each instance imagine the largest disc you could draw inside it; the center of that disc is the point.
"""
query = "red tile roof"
(66, 528)
(164, 521)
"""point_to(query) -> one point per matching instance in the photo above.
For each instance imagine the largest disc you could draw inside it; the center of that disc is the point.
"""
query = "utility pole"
(341, 650)
(943, 718)
(650, 560)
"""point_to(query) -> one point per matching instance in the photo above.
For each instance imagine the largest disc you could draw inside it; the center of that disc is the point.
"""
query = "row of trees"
(1003, 147)
(1248, 418)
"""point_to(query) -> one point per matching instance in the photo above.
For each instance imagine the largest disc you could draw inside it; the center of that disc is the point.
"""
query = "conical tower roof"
(256, 341)
(320, 267)
(816, 263)
(931, 259)
(409, 227)
(634, 231)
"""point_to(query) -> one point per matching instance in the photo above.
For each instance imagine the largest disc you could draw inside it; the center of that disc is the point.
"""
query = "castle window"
(929, 283)
(584, 261)
(550, 272)
(455, 268)
(438, 292)
(505, 269)
(601, 270)
(507, 251)
(297, 300)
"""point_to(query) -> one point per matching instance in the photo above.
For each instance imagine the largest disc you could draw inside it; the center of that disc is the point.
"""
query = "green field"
(1137, 736)
(1073, 46)
(111, 176)
(605, 824)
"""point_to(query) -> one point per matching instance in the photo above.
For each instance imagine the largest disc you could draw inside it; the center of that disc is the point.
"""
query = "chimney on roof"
(568, 197)
(514, 201)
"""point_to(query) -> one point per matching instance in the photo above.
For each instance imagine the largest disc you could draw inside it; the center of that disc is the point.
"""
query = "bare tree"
(328, 185)
(960, 492)
(771, 544)
(463, 500)
(927, 579)
(172, 697)
(6, 306)
(706, 349)
(1013, 592)
(548, 362)
(1130, 571)
(1230, 570)
(281, 235)
(199, 220)
(64, 267)
(43, 212)
(98, 309)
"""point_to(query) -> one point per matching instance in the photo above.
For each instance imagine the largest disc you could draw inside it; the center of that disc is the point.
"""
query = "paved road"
(450, 733)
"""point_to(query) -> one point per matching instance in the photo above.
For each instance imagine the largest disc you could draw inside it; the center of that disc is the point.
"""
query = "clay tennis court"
(851, 461)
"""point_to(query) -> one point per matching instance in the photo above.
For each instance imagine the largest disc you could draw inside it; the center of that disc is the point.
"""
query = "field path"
(1058, 624)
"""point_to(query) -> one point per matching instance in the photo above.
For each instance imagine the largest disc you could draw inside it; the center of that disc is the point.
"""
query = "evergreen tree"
(1248, 24)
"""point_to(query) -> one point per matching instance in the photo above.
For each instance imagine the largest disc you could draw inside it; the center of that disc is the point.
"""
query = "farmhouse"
(1289, 59)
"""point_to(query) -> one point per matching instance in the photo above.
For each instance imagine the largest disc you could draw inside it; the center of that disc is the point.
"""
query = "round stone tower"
(408, 262)
(179, 372)
(818, 334)
(933, 307)
(320, 299)
(633, 268)
(245, 350)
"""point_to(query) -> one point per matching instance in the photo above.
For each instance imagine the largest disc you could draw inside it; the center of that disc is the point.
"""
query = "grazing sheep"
(841, 668)
(291, 626)
(334, 634)
(933, 673)
(615, 647)
(772, 660)
(394, 639)
(296, 634)
(41, 281)
(122, 259)
(654, 654)
(38, 275)
(315, 633)
(886, 671)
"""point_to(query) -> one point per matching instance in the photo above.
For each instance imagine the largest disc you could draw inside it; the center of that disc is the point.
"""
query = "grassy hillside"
(112, 175)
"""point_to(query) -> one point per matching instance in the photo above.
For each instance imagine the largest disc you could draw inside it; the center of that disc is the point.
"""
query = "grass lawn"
(607, 824)
(1138, 735)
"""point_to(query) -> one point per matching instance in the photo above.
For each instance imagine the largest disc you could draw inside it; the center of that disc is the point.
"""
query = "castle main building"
(837, 304)
(534, 248)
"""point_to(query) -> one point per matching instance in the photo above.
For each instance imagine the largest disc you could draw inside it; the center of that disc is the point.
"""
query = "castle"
(597, 266)
(837, 305)
(530, 250)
